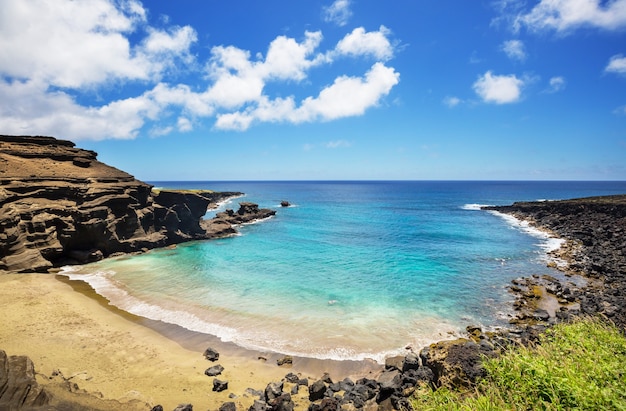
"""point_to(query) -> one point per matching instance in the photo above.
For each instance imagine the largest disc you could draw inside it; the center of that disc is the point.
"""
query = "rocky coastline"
(59, 205)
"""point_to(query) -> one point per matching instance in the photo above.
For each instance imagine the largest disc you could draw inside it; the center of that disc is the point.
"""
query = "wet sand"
(72, 334)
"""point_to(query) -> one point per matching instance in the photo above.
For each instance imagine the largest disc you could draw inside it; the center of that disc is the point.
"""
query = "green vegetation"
(579, 366)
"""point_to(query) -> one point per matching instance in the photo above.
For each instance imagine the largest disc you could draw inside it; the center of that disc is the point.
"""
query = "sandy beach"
(72, 335)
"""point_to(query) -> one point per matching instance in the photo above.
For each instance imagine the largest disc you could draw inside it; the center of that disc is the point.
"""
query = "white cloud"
(32, 110)
(81, 43)
(617, 64)
(565, 15)
(498, 89)
(184, 124)
(50, 55)
(338, 13)
(360, 42)
(556, 84)
(287, 59)
(514, 49)
(347, 96)
(451, 101)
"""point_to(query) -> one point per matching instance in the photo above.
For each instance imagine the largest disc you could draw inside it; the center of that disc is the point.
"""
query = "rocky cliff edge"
(59, 205)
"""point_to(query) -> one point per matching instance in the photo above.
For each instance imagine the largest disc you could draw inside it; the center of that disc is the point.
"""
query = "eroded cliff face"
(60, 205)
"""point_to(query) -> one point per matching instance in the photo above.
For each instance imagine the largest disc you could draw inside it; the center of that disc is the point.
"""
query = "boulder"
(219, 385)
(18, 386)
(317, 390)
(273, 390)
(228, 406)
(456, 363)
(214, 370)
(211, 354)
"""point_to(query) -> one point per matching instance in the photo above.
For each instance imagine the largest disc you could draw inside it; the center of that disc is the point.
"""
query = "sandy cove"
(65, 327)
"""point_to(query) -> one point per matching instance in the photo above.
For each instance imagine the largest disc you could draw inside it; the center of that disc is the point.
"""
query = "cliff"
(59, 205)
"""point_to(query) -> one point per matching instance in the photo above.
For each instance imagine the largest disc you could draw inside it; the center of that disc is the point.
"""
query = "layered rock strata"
(60, 205)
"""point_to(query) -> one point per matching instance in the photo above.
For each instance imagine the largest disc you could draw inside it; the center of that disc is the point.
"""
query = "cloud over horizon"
(102, 46)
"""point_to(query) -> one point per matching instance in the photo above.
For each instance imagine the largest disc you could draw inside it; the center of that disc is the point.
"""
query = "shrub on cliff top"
(576, 366)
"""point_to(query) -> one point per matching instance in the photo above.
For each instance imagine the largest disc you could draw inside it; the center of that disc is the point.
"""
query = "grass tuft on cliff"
(580, 366)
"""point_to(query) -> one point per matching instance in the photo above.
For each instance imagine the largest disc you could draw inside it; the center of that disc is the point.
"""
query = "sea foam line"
(548, 241)
(104, 284)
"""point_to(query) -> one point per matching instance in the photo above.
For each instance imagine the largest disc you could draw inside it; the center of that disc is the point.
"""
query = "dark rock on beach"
(214, 371)
(219, 385)
(59, 205)
(18, 386)
(211, 354)
(595, 230)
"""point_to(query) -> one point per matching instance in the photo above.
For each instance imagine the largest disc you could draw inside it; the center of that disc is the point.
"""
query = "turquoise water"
(352, 270)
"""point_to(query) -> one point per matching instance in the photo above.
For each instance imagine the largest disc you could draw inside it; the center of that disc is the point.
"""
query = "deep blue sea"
(351, 270)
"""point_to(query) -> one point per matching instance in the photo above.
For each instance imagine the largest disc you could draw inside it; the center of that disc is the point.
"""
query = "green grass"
(578, 366)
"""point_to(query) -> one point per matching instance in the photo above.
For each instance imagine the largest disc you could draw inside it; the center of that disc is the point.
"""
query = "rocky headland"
(59, 205)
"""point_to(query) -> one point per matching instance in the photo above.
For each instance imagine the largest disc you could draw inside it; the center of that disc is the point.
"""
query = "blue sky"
(350, 89)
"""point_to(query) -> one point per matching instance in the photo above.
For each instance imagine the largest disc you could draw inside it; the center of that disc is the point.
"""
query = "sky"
(323, 90)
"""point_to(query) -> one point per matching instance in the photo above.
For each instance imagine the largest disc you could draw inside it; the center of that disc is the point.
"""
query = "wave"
(220, 206)
(474, 207)
(104, 283)
(548, 241)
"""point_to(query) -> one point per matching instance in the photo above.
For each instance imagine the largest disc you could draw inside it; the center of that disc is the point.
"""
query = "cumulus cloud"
(82, 43)
(50, 56)
(360, 42)
(617, 64)
(497, 89)
(338, 13)
(514, 49)
(565, 15)
(347, 96)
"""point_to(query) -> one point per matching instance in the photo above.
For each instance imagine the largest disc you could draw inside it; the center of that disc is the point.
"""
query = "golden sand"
(72, 335)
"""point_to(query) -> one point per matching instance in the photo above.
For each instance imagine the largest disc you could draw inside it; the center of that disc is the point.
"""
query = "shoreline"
(116, 355)
(76, 339)
(72, 334)
(198, 342)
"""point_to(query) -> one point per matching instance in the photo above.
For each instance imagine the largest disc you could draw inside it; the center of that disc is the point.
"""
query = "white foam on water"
(220, 206)
(474, 207)
(548, 242)
(103, 282)
(334, 347)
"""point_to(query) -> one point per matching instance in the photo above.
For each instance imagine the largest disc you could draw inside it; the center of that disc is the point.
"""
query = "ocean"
(351, 270)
